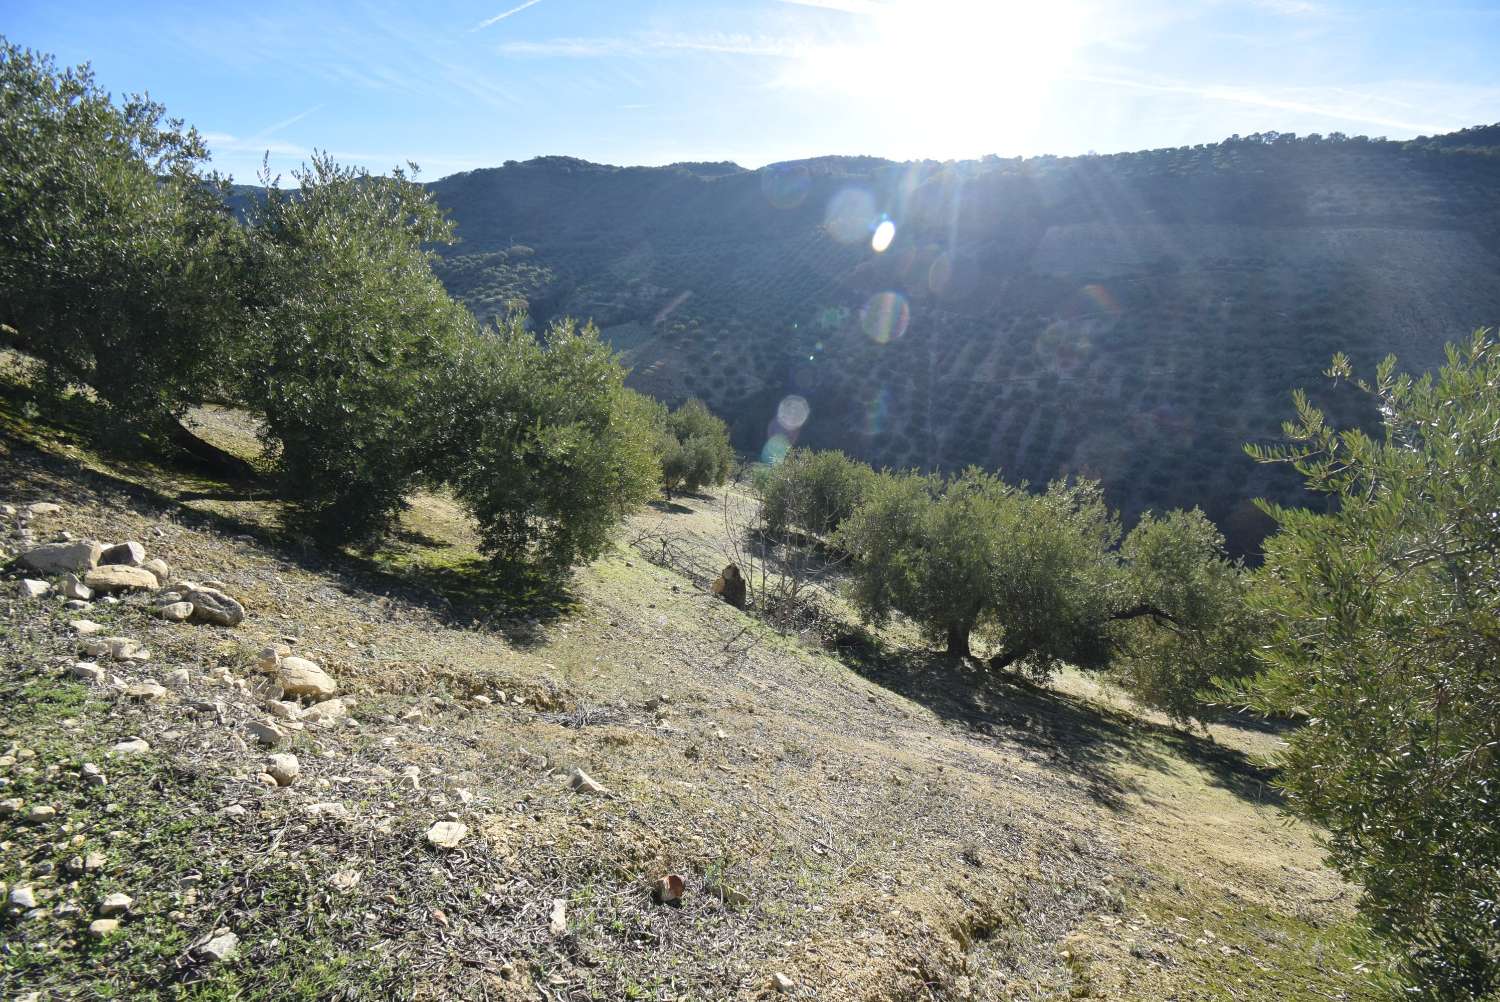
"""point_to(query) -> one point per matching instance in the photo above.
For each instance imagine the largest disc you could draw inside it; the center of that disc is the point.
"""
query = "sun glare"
(956, 75)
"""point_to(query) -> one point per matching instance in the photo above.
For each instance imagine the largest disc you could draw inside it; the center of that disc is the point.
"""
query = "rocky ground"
(378, 779)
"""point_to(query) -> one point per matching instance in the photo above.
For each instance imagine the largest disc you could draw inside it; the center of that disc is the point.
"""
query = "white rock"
(327, 809)
(40, 813)
(271, 655)
(158, 566)
(146, 691)
(43, 508)
(782, 983)
(222, 947)
(73, 588)
(108, 578)
(89, 672)
(176, 612)
(99, 928)
(265, 732)
(582, 782)
(283, 768)
(80, 556)
(557, 922)
(328, 709)
(210, 605)
(447, 834)
(301, 677)
(130, 554)
(11, 805)
(92, 774)
(116, 904)
(179, 679)
(22, 897)
(284, 709)
(133, 746)
(32, 588)
(85, 627)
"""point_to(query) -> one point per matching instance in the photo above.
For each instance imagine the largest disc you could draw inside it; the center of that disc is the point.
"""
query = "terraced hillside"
(889, 827)
(1134, 317)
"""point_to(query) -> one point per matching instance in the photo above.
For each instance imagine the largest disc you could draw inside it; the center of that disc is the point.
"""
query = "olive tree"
(696, 451)
(350, 342)
(1385, 618)
(119, 263)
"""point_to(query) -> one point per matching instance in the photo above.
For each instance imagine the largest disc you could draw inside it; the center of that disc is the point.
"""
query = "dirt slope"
(899, 828)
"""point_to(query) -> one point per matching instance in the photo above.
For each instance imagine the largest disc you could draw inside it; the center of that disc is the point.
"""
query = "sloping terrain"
(886, 825)
(1135, 317)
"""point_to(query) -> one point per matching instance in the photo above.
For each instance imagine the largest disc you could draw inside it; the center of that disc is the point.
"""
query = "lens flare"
(777, 446)
(792, 413)
(785, 187)
(885, 317)
(884, 234)
(876, 411)
(1103, 299)
(851, 215)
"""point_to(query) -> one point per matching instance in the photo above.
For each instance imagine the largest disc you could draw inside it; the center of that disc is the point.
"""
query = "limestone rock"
(132, 746)
(40, 813)
(328, 709)
(176, 612)
(158, 566)
(93, 775)
(99, 928)
(265, 732)
(557, 922)
(85, 627)
(283, 709)
(116, 904)
(10, 806)
(447, 834)
(22, 897)
(147, 691)
(43, 508)
(283, 768)
(109, 578)
(131, 554)
(221, 948)
(116, 649)
(210, 605)
(582, 782)
(32, 588)
(179, 679)
(89, 672)
(301, 677)
(74, 588)
(271, 655)
(79, 556)
(782, 983)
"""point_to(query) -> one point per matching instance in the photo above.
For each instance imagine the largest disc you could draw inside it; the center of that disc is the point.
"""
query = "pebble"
(116, 904)
(132, 746)
(99, 928)
(222, 947)
(582, 782)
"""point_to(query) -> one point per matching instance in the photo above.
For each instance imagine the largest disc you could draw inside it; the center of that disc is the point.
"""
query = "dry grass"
(899, 827)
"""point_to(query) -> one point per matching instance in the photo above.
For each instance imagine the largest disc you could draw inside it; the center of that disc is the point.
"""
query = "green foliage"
(1054, 580)
(1386, 614)
(548, 449)
(1193, 630)
(348, 340)
(696, 451)
(812, 491)
(118, 262)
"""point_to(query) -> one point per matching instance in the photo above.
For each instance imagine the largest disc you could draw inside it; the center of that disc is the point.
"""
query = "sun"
(953, 74)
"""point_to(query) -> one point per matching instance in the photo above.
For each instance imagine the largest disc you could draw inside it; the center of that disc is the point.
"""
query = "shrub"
(349, 336)
(696, 450)
(1384, 626)
(812, 491)
(548, 449)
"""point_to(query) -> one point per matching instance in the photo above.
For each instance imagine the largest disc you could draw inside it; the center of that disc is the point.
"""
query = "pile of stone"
(83, 569)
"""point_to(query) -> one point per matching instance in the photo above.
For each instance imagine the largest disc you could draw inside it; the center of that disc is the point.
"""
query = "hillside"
(879, 826)
(1134, 317)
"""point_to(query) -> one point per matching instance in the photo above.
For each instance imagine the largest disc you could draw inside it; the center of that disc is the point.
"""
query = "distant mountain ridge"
(1133, 316)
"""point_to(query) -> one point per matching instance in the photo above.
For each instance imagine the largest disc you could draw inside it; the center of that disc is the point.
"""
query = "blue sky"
(460, 85)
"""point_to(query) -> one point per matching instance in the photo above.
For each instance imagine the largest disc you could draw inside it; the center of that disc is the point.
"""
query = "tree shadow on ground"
(1087, 741)
(38, 465)
(669, 507)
